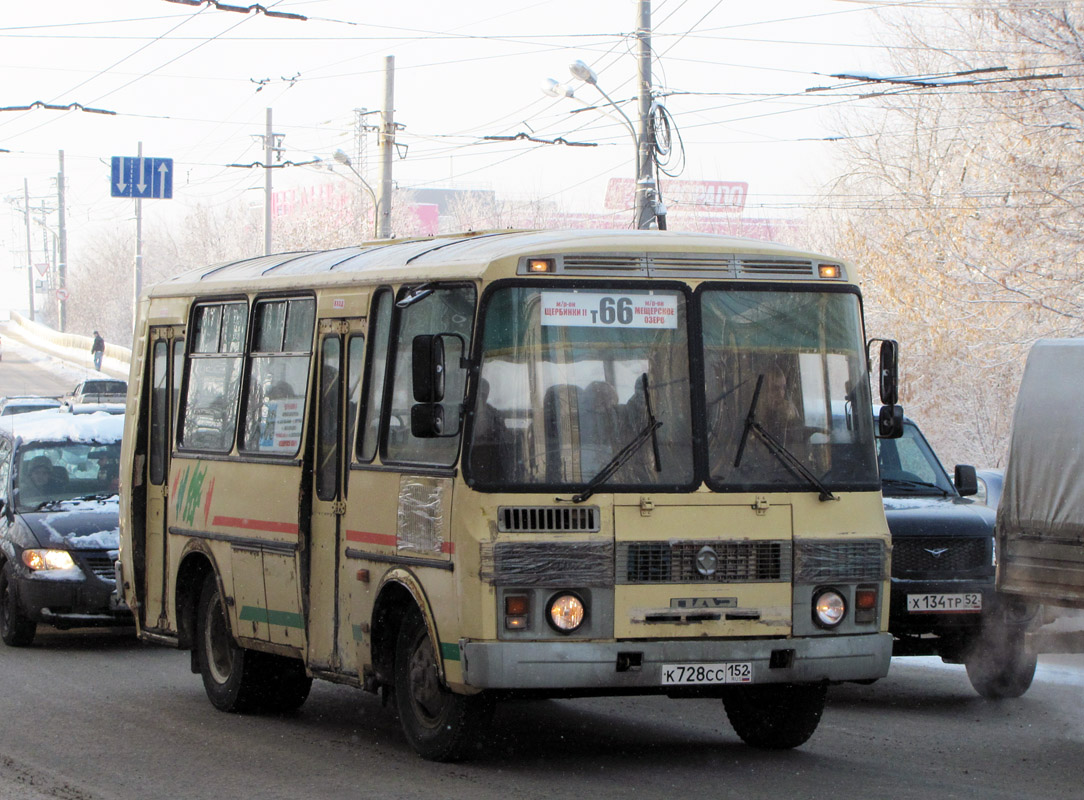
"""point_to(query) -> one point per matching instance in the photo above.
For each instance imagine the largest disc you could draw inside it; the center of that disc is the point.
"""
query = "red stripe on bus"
(387, 540)
(268, 526)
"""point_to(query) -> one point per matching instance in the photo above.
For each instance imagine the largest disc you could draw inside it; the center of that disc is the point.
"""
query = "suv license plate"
(693, 674)
(962, 603)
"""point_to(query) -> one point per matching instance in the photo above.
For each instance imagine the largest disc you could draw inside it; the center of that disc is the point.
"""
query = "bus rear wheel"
(775, 716)
(239, 679)
(439, 724)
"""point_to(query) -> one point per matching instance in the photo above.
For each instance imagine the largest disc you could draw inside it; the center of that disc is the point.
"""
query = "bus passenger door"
(341, 352)
(167, 362)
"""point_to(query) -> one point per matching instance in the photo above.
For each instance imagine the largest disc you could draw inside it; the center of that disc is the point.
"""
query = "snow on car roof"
(55, 425)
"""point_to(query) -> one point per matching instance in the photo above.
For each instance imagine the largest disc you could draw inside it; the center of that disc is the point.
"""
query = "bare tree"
(962, 203)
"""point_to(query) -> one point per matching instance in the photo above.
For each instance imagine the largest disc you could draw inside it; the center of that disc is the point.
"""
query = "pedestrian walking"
(98, 350)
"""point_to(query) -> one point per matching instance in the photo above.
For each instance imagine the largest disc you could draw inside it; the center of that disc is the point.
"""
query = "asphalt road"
(96, 716)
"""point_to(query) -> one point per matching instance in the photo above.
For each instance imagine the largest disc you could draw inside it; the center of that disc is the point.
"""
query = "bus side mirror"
(427, 363)
(890, 422)
(889, 372)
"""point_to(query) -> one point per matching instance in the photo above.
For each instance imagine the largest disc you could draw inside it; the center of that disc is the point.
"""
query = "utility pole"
(62, 243)
(268, 146)
(387, 147)
(29, 255)
(272, 149)
(645, 179)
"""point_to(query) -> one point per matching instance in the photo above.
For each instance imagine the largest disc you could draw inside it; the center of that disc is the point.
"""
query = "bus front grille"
(547, 519)
(703, 562)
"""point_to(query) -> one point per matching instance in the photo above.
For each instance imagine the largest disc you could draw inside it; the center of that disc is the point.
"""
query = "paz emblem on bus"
(703, 602)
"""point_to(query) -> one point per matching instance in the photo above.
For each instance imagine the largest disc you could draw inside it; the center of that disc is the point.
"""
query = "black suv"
(943, 601)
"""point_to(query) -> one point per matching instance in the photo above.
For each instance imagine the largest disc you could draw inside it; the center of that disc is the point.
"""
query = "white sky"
(184, 81)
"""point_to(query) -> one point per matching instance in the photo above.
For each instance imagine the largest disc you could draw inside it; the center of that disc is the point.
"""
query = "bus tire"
(439, 724)
(232, 675)
(286, 685)
(775, 716)
(16, 628)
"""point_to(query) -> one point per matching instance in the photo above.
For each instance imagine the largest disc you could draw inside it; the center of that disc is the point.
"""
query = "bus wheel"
(775, 716)
(231, 674)
(16, 629)
(286, 686)
(438, 723)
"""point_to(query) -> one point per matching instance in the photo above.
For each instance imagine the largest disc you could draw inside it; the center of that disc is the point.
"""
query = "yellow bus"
(490, 465)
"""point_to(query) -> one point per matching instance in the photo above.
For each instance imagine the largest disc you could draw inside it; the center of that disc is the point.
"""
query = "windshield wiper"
(626, 452)
(776, 447)
(910, 484)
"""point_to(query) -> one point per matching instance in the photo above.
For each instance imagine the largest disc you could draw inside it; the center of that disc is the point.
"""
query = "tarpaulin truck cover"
(1040, 519)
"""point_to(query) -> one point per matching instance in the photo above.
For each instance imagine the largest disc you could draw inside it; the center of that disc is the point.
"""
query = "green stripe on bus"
(286, 619)
(450, 651)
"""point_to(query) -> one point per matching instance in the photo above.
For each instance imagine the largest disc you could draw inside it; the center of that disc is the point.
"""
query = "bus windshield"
(785, 390)
(568, 378)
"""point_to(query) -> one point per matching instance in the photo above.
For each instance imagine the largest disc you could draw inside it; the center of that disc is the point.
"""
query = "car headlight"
(829, 608)
(48, 559)
(566, 612)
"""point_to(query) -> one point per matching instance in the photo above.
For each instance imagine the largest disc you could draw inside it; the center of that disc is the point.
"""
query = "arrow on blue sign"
(144, 178)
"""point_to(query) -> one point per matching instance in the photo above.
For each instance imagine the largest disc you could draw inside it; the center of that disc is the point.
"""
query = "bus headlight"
(829, 608)
(566, 612)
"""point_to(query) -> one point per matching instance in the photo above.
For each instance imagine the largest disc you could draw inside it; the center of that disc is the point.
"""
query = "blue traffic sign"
(145, 178)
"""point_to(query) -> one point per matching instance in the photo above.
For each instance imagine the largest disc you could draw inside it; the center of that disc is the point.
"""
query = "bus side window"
(443, 310)
(277, 381)
(209, 409)
(380, 328)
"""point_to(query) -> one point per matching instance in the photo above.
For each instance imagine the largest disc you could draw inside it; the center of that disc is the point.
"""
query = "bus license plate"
(962, 603)
(693, 674)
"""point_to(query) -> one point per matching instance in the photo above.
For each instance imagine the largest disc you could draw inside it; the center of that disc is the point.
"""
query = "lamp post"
(645, 206)
(344, 159)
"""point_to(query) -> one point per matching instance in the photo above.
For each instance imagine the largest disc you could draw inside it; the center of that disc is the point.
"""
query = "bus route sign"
(609, 310)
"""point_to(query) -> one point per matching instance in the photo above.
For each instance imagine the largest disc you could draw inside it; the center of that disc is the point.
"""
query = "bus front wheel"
(238, 679)
(439, 724)
(775, 716)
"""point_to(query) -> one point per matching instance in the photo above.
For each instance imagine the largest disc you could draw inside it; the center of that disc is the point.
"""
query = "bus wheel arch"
(398, 594)
(195, 566)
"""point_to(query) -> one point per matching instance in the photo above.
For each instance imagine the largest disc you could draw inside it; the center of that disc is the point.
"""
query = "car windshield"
(909, 467)
(54, 472)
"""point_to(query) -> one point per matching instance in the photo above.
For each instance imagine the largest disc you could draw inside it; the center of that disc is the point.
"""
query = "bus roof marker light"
(830, 271)
(541, 265)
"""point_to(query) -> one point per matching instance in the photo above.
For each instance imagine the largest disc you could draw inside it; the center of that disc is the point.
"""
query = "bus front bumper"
(638, 665)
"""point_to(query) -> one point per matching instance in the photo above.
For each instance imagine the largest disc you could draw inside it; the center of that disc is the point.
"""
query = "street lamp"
(645, 182)
(344, 159)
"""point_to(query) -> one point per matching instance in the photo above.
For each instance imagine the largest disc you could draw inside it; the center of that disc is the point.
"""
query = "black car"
(59, 533)
(943, 601)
